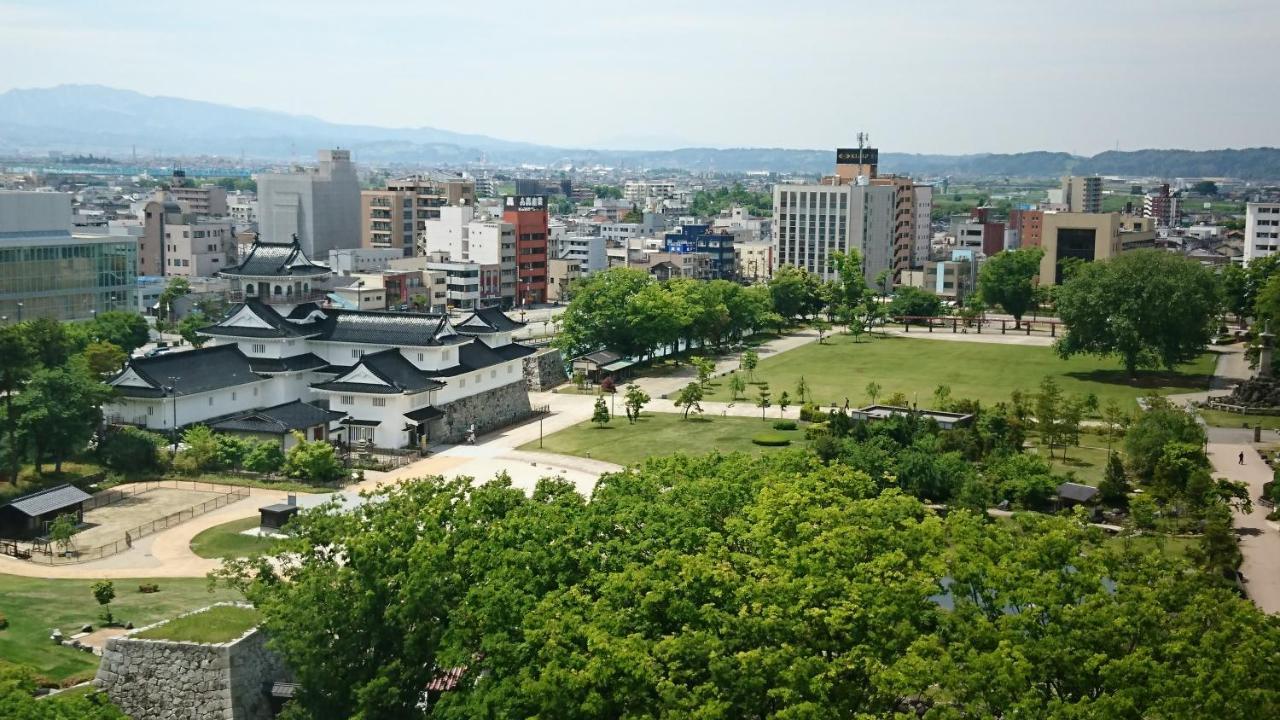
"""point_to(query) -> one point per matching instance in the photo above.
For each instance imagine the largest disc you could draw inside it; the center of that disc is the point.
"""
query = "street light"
(172, 389)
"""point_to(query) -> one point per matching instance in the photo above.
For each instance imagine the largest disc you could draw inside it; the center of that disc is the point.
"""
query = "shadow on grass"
(603, 427)
(1147, 379)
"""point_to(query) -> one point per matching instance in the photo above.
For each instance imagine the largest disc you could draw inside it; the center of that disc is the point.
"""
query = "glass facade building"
(66, 277)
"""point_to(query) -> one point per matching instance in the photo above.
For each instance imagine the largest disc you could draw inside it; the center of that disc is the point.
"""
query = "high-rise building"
(387, 220)
(1158, 205)
(923, 229)
(207, 199)
(904, 220)
(462, 237)
(813, 222)
(1082, 194)
(853, 163)
(528, 213)
(1261, 230)
(1024, 227)
(321, 205)
(46, 271)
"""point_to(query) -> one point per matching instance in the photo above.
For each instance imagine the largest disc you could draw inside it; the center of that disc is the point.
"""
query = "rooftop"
(49, 500)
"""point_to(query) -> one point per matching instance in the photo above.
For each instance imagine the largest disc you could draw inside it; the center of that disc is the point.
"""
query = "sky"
(920, 76)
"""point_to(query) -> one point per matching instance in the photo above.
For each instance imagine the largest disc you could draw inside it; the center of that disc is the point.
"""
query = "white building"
(243, 209)
(739, 220)
(641, 191)
(395, 379)
(321, 206)
(1261, 230)
(587, 250)
(815, 221)
(464, 238)
(348, 261)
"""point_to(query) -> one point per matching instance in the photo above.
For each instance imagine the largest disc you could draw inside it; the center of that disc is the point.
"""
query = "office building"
(198, 246)
(321, 205)
(813, 222)
(718, 246)
(207, 199)
(1024, 228)
(587, 252)
(462, 236)
(855, 163)
(1088, 236)
(1261, 230)
(395, 217)
(528, 214)
(1082, 194)
(755, 260)
(46, 271)
(243, 209)
(953, 279)
(979, 233)
(349, 261)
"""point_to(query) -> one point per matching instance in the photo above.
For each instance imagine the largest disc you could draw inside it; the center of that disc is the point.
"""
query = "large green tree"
(743, 587)
(1008, 278)
(596, 318)
(126, 330)
(17, 362)
(58, 411)
(914, 302)
(795, 292)
(1151, 308)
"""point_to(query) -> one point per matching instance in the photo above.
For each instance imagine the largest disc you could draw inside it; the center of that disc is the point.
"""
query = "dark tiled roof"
(190, 372)
(382, 328)
(306, 361)
(49, 500)
(392, 368)
(600, 357)
(425, 413)
(279, 419)
(511, 351)
(488, 320)
(276, 260)
(281, 327)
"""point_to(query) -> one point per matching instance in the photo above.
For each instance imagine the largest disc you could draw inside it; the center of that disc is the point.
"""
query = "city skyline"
(935, 80)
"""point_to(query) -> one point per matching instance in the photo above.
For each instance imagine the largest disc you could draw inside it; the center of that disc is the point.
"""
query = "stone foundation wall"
(168, 680)
(544, 370)
(489, 410)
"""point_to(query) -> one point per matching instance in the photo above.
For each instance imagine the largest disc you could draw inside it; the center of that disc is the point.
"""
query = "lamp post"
(172, 389)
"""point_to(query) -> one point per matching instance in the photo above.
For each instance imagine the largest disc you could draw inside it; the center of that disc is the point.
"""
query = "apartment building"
(396, 216)
(904, 220)
(641, 191)
(320, 205)
(207, 199)
(755, 260)
(587, 252)
(460, 235)
(243, 209)
(1160, 205)
(1082, 194)
(1261, 230)
(701, 239)
(198, 246)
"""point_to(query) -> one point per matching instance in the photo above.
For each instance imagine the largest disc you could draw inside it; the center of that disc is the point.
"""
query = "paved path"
(1259, 539)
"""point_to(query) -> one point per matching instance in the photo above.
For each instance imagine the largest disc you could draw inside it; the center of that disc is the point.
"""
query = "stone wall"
(544, 370)
(168, 680)
(489, 410)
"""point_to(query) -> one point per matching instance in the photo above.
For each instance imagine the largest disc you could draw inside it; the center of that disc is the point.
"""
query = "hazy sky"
(919, 75)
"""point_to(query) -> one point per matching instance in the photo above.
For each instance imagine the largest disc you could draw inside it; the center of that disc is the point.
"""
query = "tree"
(783, 401)
(1205, 187)
(802, 390)
(1160, 425)
(1234, 281)
(176, 287)
(130, 450)
(1114, 420)
(884, 282)
(873, 392)
(63, 529)
(850, 283)
(104, 591)
(1069, 423)
(17, 362)
(579, 379)
(126, 330)
(49, 340)
(1049, 414)
(795, 292)
(201, 451)
(103, 358)
(19, 701)
(600, 415)
(312, 460)
(1150, 307)
(914, 302)
(705, 367)
(762, 400)
(1218, 551)
(264, 457)
(58, 411)
(189, 326)
(634, 401)
(748, 362)
(1008, 278)
(690, 398)
(1114, 488)
(633, 215)
(942, 397)
(823, 327)
(729, 586)
(737, 385)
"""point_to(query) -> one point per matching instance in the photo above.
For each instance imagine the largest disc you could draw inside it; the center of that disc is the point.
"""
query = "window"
(151, 410)
(233, 396)
(419, 357)
(356, 352)
(462, 382)
(360, 433)
(511, 369)
(260, 348)
(477, 378)
(210, 401)
(379, 402)
(346, 400)
(493, 374)
(255, 392)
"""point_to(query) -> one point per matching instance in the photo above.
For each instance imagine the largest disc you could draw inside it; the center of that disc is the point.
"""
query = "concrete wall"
(491, 409)
(166, 680)
(544, 370)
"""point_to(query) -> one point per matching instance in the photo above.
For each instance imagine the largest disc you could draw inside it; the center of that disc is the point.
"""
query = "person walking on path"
(1241, 458)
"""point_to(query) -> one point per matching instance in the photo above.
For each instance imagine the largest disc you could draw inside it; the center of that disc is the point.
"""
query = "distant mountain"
(108, 121)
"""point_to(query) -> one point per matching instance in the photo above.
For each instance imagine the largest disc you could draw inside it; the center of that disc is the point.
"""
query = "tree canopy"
(781, 586)
(1007, 279)
(1151, 308)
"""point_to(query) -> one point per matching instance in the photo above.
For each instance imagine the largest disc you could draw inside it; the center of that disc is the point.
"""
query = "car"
(157, 351)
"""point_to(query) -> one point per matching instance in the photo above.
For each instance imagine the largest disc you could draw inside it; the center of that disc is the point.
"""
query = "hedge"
(771, 440)
(784, 425)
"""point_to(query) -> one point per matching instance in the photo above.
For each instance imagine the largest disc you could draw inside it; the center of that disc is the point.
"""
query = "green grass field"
(215, 625)
(226, 540)
(1218, 418)
(1168, 545)
(35, 606)
(1088, 461)
(989, 372)
(662, 434)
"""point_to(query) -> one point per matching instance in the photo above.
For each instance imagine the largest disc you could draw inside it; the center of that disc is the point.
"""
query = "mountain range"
(109, 121)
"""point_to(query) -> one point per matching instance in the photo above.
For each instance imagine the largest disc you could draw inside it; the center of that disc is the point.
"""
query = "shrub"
(313, 461)
(202, 452)
(817, 430)
(811, 413)
(148, 588)
(232, 450)
(265, 457)
(131, 450)
(4, 621)
(784, 425)
(771, 440)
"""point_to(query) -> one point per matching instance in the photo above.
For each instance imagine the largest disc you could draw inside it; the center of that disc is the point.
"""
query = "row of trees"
(736, 586)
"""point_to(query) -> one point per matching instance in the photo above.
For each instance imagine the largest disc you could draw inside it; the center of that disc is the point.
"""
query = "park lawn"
(225, 541)
(35, 606)
(661, 434)
(215, 625)
(1218, 418)
(841, 369)
(1169, 545)
(1088, 460)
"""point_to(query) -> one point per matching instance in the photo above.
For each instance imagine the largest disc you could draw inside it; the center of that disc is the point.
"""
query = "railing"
(43, 553)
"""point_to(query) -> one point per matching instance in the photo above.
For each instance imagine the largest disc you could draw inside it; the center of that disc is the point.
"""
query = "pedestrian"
(846, 403)
(1242, 458)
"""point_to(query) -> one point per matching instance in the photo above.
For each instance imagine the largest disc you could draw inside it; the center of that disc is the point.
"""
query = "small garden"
(217, 624)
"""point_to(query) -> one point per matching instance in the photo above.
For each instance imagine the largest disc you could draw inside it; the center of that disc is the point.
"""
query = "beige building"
(754, 260)
(208, 199)
(198, 246)
(1088, 236)
(1082, 194)
(561, 274)
(396, 216)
